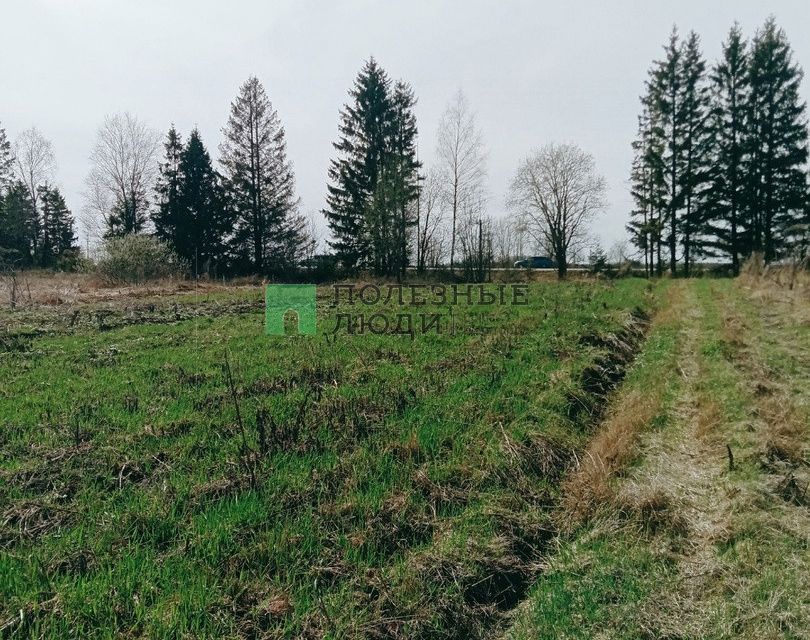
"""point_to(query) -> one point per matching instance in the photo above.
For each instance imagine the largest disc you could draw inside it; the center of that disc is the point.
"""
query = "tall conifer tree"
(58, 239)
(666, 85)
(695, 171)
(18, 221)
(777, 125)
(167, 190)
(268, 231)
(374, 180)
(6, 163)
(408, 166)
(203, 222)
(352, 212)
(648, 189)
(724, 228)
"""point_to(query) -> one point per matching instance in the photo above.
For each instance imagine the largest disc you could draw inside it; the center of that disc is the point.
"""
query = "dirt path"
(684, 473)
(705, 524)
(730, 512)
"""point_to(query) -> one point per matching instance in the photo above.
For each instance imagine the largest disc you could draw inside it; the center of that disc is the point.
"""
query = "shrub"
(597, 259)
(137, 258)
(71, 260)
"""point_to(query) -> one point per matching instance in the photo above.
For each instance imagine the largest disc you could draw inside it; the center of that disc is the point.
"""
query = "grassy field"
(613, 459)
(695, 524)
(341, 486)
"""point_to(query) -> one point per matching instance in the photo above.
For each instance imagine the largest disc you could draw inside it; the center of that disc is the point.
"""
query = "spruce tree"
(128, 214)
(724, 227)
(374, 180)
(695, 171)
(6, 163)
(58, 240)
(167, 190)
(649, 186)
(352, 212)
(639, 225)
(648, 189)
(17, 223)
(201, 223)
(666, 90)
(260, 183)
(778, 141)
(406, 174)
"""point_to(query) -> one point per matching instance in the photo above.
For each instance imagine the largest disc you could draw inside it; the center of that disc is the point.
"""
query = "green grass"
(741, 572)
(397, 476)
(597, 583)
(602, 575)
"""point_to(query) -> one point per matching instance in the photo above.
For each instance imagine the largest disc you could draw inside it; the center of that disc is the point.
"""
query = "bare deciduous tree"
(35, 161)
(428, 221)
(462, 163)
(507, 241)
(470, 215)
(98, 202)
(124, 170)
(35, 166)
(475, 238)
(620, 253)
(314, 234)
(558, 192)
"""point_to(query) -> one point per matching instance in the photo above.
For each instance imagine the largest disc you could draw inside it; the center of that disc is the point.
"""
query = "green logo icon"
(281, 298)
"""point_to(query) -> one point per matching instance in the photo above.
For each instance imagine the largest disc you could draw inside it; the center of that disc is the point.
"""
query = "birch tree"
(558, 192)
(124, 166)
(35, 165)
(461, 163)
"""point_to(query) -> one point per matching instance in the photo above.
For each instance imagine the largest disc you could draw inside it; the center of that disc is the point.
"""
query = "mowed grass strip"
(375, 486)
(603, 571)
(704, 533)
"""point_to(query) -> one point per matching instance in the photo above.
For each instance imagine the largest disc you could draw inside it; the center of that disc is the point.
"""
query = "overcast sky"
(533, 71)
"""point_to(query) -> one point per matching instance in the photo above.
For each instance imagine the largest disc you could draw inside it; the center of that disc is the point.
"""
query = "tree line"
(720, 159)
(36, 227)
(240, 218)
(385, 209)
(241, 214)
(719, 170)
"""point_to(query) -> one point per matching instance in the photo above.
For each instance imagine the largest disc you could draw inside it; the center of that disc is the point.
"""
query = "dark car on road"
(535, 262)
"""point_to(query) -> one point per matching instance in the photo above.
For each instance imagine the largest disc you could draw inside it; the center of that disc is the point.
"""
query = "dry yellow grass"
(785, 427)
(49, 289)
(589, 490)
